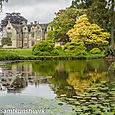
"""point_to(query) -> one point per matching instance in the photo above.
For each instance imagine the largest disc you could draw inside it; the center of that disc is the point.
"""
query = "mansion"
(23, 35)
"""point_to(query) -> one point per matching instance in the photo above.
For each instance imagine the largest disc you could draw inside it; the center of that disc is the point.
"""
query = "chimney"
(31, 23)
(9, 20)
(35, 22)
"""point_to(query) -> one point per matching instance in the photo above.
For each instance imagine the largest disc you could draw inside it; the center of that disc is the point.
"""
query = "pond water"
(86, 85)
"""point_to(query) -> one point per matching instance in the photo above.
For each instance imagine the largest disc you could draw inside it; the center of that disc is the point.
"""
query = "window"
(9, 35)
(25, 44)
(9, 42)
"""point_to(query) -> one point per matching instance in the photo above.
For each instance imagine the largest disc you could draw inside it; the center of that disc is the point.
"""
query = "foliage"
(44, 68)
(7, 55)
(43, 48)
(82, 4)
(16, 54)
(6, 41)
(58, 48)
(110, 52)
(87, 33)
(75, 49)
(65, 19)
(15, 18)
(95, 51)
(99, 11)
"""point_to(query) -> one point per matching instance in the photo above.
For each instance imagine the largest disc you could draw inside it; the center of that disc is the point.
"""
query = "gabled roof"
(19, 27)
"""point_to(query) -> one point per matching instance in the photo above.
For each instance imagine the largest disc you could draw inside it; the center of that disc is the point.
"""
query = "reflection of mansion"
(23, 35)
(19, 76)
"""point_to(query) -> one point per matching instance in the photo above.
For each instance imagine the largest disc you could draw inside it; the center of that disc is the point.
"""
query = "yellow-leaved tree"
(87, 33)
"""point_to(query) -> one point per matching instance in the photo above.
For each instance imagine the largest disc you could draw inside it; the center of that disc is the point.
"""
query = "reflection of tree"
(91, 80)
(97, 65)
(76, 65)
(111, 71)
(59, 84)
(44, 68)
(68, 77)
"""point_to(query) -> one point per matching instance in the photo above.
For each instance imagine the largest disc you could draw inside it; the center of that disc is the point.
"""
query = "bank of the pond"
(26, 54)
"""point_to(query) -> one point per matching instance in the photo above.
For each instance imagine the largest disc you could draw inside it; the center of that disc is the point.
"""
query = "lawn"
(26, 54)
(15, 54)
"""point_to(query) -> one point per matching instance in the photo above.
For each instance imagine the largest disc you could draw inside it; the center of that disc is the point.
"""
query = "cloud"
(42, 10)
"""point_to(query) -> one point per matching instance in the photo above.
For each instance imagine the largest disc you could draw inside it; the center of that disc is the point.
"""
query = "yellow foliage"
(84, 31)
(81, 84)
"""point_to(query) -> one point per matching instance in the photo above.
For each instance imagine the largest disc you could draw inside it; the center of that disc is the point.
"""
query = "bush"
(72, 45)
(55, 52)
(81, 53)
(95, 51)
(58, 47)
(42, 47)
(75, 49)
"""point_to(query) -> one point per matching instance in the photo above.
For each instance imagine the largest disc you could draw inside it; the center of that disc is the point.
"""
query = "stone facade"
(23, 35)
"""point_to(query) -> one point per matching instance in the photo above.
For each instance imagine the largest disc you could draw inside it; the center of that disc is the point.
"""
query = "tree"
(65, 19)
(6, 41)
(98, 11)
(101, 12)
(14, 18)
(82, 4)
(87, 33)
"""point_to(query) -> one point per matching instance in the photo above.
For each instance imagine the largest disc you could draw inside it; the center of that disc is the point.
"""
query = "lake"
(72, 87)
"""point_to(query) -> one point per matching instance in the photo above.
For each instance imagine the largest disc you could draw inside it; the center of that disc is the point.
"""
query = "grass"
(23, 52)
(26, 54)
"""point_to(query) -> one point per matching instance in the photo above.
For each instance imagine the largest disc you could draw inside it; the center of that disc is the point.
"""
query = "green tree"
(82, 4)
(6, 41)
(65, 19)
(87, 33)
(99, 11)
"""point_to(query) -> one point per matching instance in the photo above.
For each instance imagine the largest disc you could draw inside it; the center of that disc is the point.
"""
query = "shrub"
(75, 49)
(55, 52)
(42, 47)
(95, 51)
(72, 45)
(58, 47)
(81, 52)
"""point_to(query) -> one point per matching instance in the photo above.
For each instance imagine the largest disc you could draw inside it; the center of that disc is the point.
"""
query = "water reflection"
(63, 75)
(17, 77)
(79, 82)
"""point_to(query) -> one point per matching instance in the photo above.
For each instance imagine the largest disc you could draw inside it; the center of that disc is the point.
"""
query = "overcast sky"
(34, 10)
